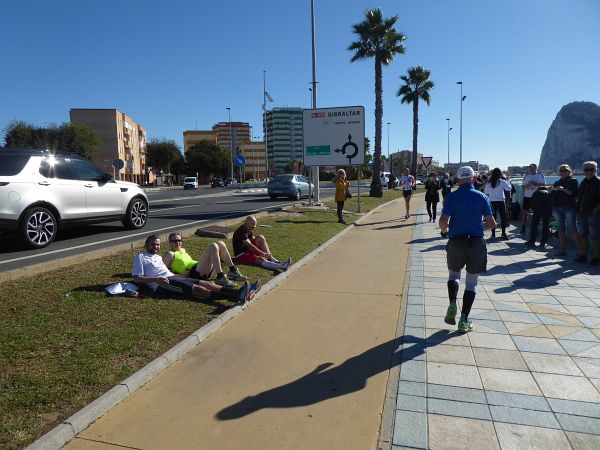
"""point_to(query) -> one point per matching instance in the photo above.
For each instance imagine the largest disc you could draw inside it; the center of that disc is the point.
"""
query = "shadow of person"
(328, 381)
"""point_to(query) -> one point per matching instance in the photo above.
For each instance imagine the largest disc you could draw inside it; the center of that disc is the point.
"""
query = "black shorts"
(526, 203)
(466, 251)
(178, 285)
(407, 193)
(197, 276)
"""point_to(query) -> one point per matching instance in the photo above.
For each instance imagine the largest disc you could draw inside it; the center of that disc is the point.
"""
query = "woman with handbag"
(342, 192)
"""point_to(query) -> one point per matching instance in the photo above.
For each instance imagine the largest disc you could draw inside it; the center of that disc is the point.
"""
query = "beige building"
(254, 152)
(122, 138)
(239, 132)
(193, 137)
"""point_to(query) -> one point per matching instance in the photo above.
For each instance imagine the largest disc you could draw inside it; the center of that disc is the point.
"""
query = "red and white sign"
(426, 160)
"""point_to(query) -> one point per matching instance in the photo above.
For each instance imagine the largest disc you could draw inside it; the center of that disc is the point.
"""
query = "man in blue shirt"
(461, 222)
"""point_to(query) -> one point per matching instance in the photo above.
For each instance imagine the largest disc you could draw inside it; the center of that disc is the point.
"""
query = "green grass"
(64, 341)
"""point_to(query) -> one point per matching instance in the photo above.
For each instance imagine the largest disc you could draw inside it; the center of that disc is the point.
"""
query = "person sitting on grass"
(181, 263)
(252, 250)
(149, 269)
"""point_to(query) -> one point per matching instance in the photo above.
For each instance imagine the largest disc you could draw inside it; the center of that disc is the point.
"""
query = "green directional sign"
(318, 150)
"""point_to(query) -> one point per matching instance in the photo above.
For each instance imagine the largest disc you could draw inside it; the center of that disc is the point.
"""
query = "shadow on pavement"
(326, 382)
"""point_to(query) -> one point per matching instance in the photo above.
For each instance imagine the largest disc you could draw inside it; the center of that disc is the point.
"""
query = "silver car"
(41, 191)
(289, 185)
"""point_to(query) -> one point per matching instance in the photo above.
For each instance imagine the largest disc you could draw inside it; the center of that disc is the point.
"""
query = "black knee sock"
(468, 299)
(452, 290)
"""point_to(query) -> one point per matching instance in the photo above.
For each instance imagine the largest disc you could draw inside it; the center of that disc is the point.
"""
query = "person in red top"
(252, 250)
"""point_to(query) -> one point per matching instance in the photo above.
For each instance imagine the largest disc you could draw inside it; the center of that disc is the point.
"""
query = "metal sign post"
(426, 160)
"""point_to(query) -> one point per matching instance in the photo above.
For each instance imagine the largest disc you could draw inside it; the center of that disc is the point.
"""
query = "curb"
(69, 428)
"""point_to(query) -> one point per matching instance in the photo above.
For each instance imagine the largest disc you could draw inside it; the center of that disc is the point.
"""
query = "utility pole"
(230, 142)
(314, 92)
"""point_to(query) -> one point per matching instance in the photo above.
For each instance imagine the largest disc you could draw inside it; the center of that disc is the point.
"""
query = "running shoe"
(504, 237)
(464, 326)
(224, 281)
(450, 318)
(252, 290)
(235, 275)
(287, 264)
(244, 292)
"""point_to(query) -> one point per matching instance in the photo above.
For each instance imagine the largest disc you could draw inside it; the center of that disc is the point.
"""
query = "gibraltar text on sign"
(334, 136)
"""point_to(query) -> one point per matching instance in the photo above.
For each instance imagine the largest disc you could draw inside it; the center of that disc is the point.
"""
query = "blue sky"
(172, 65)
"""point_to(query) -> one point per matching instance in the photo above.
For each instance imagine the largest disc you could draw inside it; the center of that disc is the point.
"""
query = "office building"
(228, 132)
(193, 137)
(285, 141)
(122, 138)
(254, 152)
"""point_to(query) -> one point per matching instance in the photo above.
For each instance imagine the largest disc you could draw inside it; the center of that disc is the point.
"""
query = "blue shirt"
(466, 206)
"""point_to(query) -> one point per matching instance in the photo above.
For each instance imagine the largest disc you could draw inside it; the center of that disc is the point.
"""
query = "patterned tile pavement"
(528, 376)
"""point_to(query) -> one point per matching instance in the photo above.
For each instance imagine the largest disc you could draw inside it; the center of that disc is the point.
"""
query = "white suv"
(41, 191)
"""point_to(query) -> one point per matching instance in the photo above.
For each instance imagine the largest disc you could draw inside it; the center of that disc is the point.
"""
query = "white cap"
(465, 173)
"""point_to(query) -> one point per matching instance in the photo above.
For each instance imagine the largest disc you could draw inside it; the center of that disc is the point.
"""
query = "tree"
(378, 39)
(417, 86)
(75, 138)
(163, 154)
(206, 158)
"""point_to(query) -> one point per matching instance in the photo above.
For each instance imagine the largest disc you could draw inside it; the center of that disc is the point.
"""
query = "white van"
(385, 179)
(190, 183)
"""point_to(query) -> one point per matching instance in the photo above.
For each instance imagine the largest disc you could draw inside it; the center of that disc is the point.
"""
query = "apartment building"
(122, 138)
(254, 152)
(285, 142)
(193, 137)
(228, 132)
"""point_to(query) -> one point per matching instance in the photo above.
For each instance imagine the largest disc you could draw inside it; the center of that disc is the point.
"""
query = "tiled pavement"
(528, 376)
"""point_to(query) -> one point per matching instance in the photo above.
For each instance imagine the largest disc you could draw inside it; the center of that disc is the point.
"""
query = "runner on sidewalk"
(461, 222)
(408, 183)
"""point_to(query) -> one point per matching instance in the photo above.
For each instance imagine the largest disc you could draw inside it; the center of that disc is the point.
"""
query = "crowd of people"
(176, 273)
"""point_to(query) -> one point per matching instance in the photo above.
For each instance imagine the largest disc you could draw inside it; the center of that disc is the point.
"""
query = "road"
(169, 210)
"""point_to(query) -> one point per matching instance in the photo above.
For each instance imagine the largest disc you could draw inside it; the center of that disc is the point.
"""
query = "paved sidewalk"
(528, 376)
(306, 367)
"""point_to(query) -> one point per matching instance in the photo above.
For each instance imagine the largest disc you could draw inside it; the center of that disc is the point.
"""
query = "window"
(85, 170)
(12, 164)
(57, 167)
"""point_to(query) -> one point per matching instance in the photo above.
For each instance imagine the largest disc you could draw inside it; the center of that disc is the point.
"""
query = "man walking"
(531, 181)
(588, 213)
(461, 222)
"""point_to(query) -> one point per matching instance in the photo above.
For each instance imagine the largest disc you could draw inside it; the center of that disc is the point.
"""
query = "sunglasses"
(175, 240)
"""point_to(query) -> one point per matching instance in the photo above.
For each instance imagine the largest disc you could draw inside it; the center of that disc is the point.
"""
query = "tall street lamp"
(449, 128)
(462, 99)
(388, 133)
(230, 142)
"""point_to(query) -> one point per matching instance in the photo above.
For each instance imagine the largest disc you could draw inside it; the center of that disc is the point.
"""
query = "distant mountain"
(573, 137)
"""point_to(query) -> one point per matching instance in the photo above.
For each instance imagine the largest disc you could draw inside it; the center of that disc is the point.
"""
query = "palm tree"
(417, 86)
(378, 39)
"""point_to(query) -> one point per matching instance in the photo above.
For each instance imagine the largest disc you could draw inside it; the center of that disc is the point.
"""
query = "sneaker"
(406, 216)
(504, 237)
(235, 275)
(342, 221)
(580, 258)
(450, 318)
(252, 290)
(244, 292)
(224, 281)
(287, 264)
(594, 262)
(464, 326)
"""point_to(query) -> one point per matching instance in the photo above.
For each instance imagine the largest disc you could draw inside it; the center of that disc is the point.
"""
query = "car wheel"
(298, 195)
(136, 215)
(38, 227)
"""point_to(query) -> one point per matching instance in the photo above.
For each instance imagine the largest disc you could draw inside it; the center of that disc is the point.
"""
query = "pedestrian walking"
(432, 196)
(461, 222)
(446, 185)
(530, 183)
(541, 205)
(509, 197)
(342, 187)
(498, 190)
(564, 194)
(588, 213)
(408, 183)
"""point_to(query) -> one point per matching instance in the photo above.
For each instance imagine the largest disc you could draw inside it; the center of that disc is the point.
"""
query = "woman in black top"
(564, 196)
(432, 196)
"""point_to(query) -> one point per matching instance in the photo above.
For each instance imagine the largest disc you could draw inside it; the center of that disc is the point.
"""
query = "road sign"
(239, 161)
(118, 164)
(334, 136)
(371, 165)
(426, 160)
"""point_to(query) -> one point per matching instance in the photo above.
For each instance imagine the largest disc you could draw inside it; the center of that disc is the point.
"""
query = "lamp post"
(315, 169)
(449, 128)
(462, 99)
(388, 155)
(230, 142)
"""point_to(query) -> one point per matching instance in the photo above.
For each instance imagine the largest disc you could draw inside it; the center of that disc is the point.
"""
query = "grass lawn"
(64, 341)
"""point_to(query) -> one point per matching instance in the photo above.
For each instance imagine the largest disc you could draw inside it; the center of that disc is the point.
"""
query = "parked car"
(43, 191)
(190, 183)
(288, 185)
(217, 182)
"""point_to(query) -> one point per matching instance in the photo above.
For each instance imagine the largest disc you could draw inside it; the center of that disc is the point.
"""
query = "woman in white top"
(497, 190)
(407, 183)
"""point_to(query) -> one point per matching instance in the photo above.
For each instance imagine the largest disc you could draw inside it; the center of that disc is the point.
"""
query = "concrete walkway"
(306, 367)
(529, 374)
